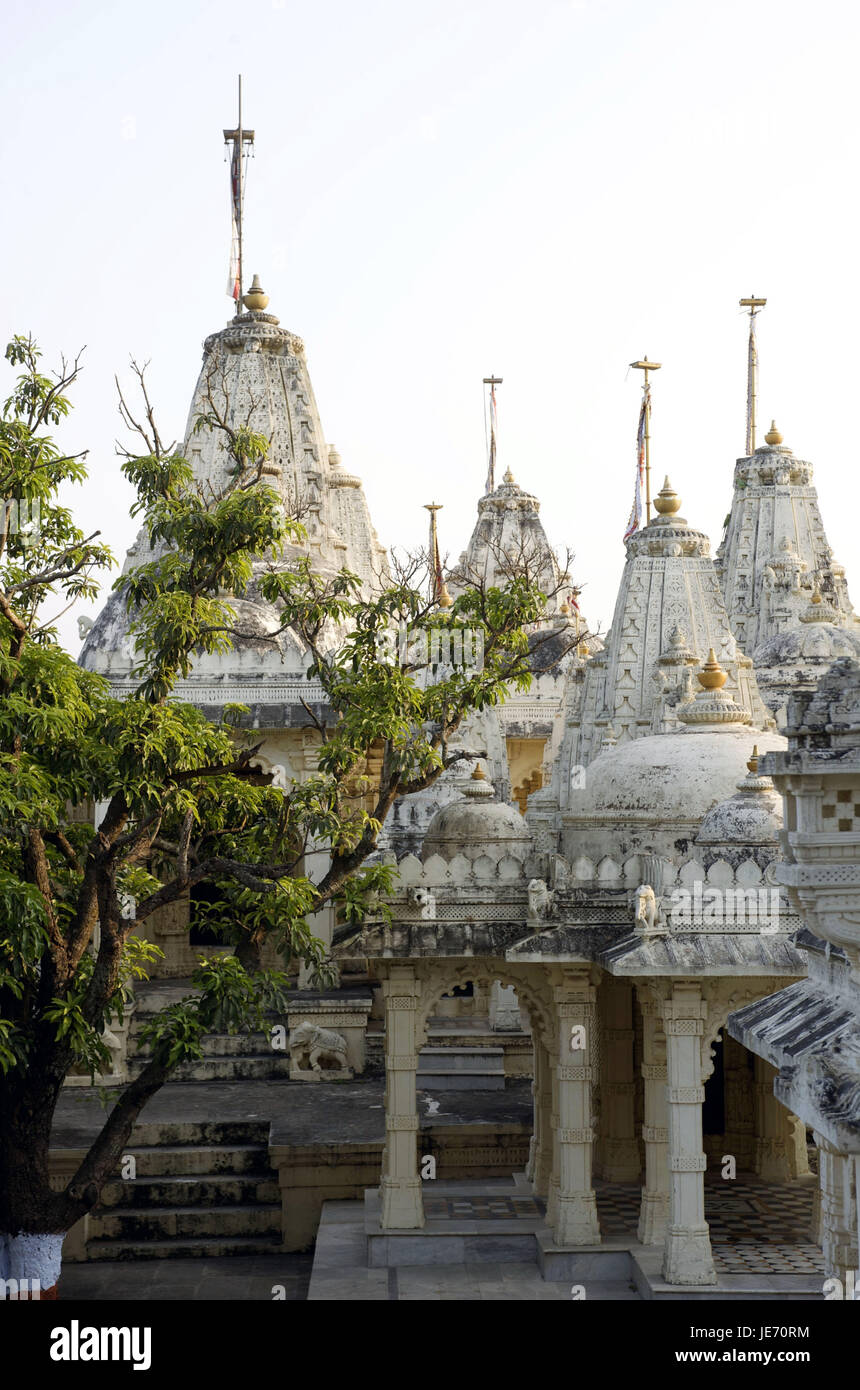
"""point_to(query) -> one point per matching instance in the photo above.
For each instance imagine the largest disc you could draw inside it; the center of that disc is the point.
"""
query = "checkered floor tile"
(756, 1227)
(495, 1208)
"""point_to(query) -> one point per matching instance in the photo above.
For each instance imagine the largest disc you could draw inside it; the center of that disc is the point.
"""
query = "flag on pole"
(636, 509)
(491, 470)
(752, 365)
(235, 212)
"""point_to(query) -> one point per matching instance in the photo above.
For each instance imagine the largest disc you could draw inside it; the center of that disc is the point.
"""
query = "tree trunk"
(32, 1226)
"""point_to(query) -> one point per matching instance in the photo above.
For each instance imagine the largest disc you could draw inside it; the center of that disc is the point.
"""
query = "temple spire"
(492, 382)
(239, 139)
(753, 305)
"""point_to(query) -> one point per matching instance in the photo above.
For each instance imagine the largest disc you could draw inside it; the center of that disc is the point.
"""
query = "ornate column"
(739, 1091)
(400, 1188)
(544, 1134)
(780, 1138)
(576, 1013)
(654, 1207)
(619, 1149)
(687, 1258)
(551, 1042)
(839, 1236)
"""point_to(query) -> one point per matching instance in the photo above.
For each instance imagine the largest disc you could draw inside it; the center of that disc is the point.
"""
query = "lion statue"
(540, 900)
(649, 913)
(312, 1047)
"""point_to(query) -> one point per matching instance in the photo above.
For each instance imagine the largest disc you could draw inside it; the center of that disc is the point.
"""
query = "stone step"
(186, 1160)
(272, 1066)
(461, 1068)
(204, 1248)
(139, 1225)
(187, 1189)
(216, 1044)
(467, 1059)
(221, 1133)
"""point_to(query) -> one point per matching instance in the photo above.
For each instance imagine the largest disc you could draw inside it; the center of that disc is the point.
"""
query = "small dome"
(812, 641)
(753, 816)
(476, 824)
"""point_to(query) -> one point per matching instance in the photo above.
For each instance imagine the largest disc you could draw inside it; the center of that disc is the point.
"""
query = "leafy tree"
(185, 805)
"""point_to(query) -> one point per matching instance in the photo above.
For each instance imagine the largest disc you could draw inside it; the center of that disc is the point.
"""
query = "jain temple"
(610, 1036)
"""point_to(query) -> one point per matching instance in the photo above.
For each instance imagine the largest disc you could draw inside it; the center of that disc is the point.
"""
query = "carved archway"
(442, 977)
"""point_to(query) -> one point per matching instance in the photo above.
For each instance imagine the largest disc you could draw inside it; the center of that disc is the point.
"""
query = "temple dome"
(476, 824)
(753, 816)
(673, 777)
(809, 641)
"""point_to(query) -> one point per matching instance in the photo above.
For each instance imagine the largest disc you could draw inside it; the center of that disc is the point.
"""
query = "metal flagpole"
(646, 367)
(433, 508)
(241, 153)
(238, 138)
(753, 305)
(492, 382)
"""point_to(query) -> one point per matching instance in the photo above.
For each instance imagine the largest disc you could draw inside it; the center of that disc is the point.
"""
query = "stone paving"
(340, 1273)
(228, 1279)
(328, 1112)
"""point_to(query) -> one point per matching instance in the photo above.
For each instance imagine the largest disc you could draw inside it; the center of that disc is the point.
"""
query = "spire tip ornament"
(773, 435)
(256, 297)
(712, 676)
(667, 502)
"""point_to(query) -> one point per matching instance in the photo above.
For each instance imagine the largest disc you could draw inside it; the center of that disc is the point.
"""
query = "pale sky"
(542, 190)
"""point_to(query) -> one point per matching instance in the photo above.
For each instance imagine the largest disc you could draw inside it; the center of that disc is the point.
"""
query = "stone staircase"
(461, 1069)
(200, 1189)
(227, 1056)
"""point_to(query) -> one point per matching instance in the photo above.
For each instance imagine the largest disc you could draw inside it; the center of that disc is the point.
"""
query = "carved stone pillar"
(839, 1237)
(619, 1149)
(551, 1042)
(576, 1220)
(539, 1170)
(740, 1127)
(400, 1188)
(654, 1207)
(780, 1141)
(687, 1258)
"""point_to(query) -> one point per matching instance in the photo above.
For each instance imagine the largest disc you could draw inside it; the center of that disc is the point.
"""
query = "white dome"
(475, 824)
(674, 777)
(819, 642)
(747, 818)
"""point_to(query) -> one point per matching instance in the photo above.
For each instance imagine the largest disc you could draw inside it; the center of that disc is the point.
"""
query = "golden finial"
(564, 608)
(445, 599)
(712, 676)
(816, 594)
(753, 762)
(667, 502)
(256, 298)
(773, 435)
(509, 477)
(478, 774)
